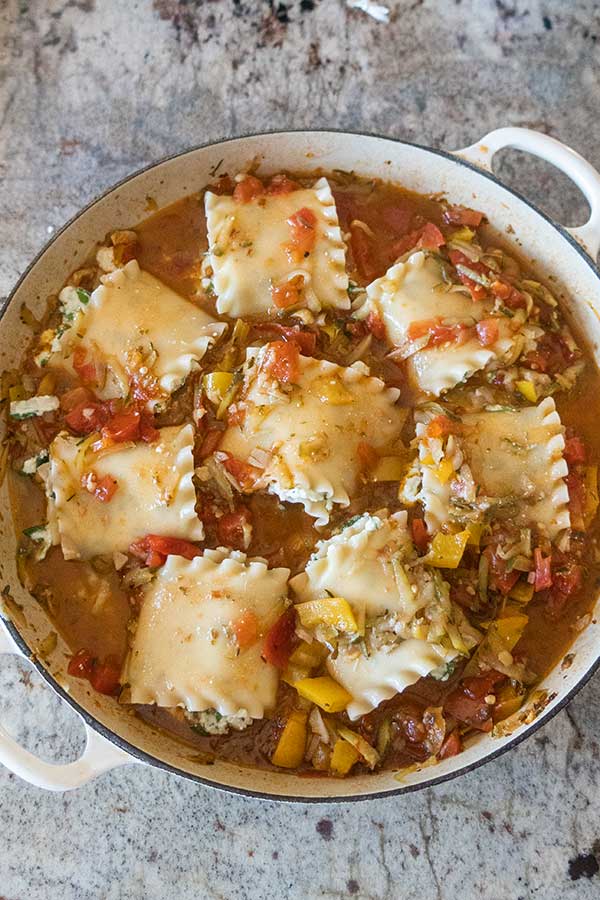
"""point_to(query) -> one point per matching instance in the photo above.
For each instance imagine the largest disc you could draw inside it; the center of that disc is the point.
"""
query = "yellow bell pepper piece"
(447, 550)
(17, 392)
(329, 611)
(428, 460)
(368, 753)
(305, 658)
(522, 592)
(47, 384)
(216, 385)
(444, 471)
(324, 692)
(527, 389)
(389, 468)
(508, 701)
(289, 752)
(590, 481)
(343, 757)
(510, 628)
(462, 234)
(475, 530)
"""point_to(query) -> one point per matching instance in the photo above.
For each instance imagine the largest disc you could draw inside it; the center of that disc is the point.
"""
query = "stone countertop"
(91, 90)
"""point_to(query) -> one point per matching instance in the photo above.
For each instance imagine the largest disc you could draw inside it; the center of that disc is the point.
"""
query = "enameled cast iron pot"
(114, 736)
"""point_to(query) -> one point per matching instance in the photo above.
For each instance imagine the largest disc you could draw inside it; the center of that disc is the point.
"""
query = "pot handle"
(560, 155)
(98, 756)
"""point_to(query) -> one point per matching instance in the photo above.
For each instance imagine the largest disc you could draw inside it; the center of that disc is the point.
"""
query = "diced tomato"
(245, 474)
(87, 417)
(105, 678)
(245, 629)
(575, 451)
(76, 397)
(224, 185)
(81, 664)
(487, 332)
(148, 431)
(376, 326)
(438, 334)
(399, 216)
(287, 294)
(281, 640)
(362, 253)
(281, 184)
(420, 535)
(501, 290)
(577, 499)
(303, 231)
(212, 439)
(543, 570)
(441, 426)
(466, 703)
(154, 549)
(551, 355)
(248, 189)
(282, 361)
(305, 340)
(83, 366)
(431, 238)
(236, 414)
(452, 745)
(462, 215)
(500, 579)
(478, 291)
(125, 426)
(566, 581)
(231, 526)
(367, 455)
(105, 489)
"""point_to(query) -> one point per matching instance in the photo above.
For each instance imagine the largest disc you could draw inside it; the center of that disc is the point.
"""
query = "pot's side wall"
(417, 169)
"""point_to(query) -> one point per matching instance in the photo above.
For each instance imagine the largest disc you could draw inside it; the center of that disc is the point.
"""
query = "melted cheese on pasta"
(312, 432)
(185, 651)
(413, 291)
(132, 319)
(512, 455)
(155, 493)
(247, 244)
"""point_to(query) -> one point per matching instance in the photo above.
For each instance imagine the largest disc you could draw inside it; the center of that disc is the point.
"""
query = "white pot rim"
(132, 753)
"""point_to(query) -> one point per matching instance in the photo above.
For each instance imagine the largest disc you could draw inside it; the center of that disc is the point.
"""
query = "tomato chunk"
(438, 334)
(441, 426)
(245, 474)
(376, 326)
(105, 489)
(500, 578)
(467, 704)
(566, 581)
(281, 640)
(81, 664)
(306, 341)
(282, 361)
(577, 499)
(154, 549)
(575, 451)
(87, 417)
(303, 231)
(281, 184)
(420, 535)
(487, 332)
(462, 215)
(245, 629)
(287, 294)
(211, 441)
(451, 746)
(123, 427)
(85, 368)
(543, 570)
(104, 677)
(248, 189)
(232, 526)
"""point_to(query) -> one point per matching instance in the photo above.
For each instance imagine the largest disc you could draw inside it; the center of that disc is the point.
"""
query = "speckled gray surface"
(89, 91)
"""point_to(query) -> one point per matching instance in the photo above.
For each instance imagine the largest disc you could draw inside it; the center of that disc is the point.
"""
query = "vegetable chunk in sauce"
(389, 480)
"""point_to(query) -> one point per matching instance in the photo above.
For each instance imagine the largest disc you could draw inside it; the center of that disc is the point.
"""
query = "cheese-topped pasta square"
(434, 327)
(154, 493)
(405, 625)
(500, 463)
(133, 325)
(307, 440)
(199, 637)
(258, 263)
